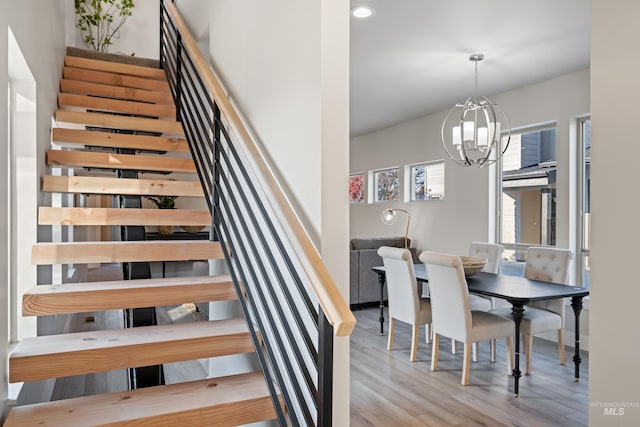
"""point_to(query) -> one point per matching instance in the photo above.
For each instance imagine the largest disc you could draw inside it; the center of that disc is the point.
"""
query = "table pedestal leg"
(576, 303)
(381, 280)
(517, 311)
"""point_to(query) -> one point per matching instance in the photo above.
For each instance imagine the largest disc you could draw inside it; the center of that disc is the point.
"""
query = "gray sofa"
(364, 289)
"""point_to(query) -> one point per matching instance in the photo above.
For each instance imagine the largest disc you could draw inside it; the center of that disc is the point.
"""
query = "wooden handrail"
(329, 297)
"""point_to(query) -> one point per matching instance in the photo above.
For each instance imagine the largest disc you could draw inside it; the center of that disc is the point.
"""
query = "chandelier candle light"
(471, 131)
(390, 217)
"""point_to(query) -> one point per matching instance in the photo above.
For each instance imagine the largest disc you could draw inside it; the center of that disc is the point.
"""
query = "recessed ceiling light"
(362, 12)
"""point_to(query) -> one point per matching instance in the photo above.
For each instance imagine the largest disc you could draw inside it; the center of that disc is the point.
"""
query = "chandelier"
(471, 131)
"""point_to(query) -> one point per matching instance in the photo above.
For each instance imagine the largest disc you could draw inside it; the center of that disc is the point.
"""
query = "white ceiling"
(412, 57)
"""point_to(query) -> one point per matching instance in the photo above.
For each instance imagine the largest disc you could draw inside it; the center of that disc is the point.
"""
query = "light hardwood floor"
(388, 390)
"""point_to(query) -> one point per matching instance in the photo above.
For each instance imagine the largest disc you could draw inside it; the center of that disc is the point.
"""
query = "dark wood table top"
(515, 289)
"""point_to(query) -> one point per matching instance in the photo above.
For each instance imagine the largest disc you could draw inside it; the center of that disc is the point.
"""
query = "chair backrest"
(548, 264)
(402, 290)
(491, 251)
(450, 310)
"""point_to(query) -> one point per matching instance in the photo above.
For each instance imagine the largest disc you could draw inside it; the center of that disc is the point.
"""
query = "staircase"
(99, 99)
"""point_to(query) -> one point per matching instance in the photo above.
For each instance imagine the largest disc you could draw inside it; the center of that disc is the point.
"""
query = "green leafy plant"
(100, 21)
(163, 202)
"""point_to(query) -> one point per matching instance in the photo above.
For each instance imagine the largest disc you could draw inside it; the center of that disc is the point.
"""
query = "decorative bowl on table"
(472, 264)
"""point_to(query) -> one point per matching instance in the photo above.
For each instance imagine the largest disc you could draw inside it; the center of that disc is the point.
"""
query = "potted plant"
(164, 202)
(100, 21)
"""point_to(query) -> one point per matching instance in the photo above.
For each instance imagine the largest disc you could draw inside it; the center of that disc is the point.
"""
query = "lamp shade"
(389, 216)
(471, 132)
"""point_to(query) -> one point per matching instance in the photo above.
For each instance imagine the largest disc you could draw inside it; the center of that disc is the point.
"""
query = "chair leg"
(466, 361)
(563, 358)
(453, 346)
(510, 354)
(528, 339)
(492, 350)
(392, 324)
(434, 352)
(427, 332)
(414, 342)
(474, 351)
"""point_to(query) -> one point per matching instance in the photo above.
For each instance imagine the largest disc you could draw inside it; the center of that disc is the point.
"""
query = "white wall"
(449, 225)
(43, 47)
(140, 35)
(615, 335)
(285, 64)
(267, 54)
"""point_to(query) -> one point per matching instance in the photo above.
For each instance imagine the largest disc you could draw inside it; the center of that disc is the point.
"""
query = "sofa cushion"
(359, 243)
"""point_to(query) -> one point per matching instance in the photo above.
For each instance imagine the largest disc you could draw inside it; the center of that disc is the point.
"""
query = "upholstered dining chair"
(546, 264)
(549, 265)
(493, 254)
(402, 290)
(451, 313)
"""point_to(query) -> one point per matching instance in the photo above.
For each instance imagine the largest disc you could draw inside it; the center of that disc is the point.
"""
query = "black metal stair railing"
(292, 336)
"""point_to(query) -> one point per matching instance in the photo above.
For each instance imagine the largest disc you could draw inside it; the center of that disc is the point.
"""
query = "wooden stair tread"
(113, 79)
(54, 356)
(119, 294)
(115, 67)
(66, 100)
(119, 140)
(125, 186)
(119, 122)
(120, 161)
(117, 216)
(226, 401)
(131, 251)
(115, 92)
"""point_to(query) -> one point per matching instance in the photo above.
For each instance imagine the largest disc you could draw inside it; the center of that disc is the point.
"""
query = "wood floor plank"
(117, 216)
(125, 186)
(389, 390)
(115, 92)
(119, 140)
(101, 77)
(79, 158)
(72, 100)
(124, 251)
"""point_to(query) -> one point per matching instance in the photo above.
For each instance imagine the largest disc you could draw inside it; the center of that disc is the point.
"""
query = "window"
(386, 184)
(584, 203)
(528, 196)
(427, 181)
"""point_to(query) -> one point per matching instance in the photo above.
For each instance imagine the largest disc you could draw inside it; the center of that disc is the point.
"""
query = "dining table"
(518, 291)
